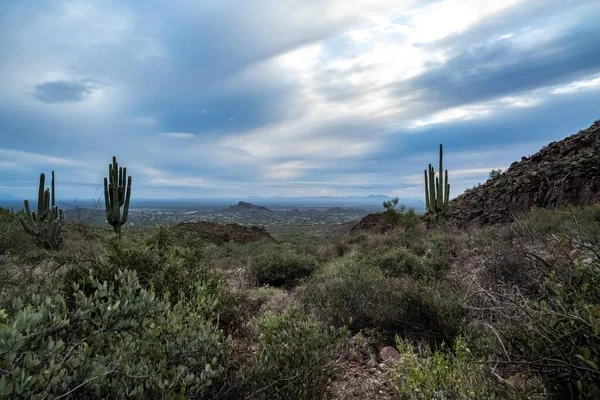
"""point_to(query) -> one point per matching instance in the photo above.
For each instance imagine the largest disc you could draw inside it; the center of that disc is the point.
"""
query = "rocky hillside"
(563, 173)
(223, 233)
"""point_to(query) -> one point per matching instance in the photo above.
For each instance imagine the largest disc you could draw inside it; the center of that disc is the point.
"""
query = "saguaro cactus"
(46, 225)
(116, 195)
(437, 189)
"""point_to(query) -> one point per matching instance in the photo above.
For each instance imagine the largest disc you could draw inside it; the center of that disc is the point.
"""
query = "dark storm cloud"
(63, 91)
(500, 68)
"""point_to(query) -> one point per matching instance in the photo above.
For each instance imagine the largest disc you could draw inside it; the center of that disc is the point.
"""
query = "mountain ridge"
(563, 173)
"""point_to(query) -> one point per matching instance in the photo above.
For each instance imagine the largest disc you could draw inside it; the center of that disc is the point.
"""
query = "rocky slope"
(374, 222)
(564, 173)
(223, 233)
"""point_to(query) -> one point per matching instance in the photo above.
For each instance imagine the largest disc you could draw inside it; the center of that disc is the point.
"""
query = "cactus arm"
(126, 206)
(122, 192)
(116, 211)
(28, 211)
(107, 207)
(447, 194)
(27, 221)
(40, 205)
(426, 191)
(431, 189)
(438, 200)
(52, 185)
(46, 204)
(441, 185)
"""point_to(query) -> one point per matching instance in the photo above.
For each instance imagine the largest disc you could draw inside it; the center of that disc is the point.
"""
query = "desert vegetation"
(426, 309)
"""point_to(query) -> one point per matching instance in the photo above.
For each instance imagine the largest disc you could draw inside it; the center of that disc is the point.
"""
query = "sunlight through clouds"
(293, 95)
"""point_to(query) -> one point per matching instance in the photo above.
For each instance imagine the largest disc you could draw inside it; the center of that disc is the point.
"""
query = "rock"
(375, 222)
(371, 362)
(354, 356)
(389, 355)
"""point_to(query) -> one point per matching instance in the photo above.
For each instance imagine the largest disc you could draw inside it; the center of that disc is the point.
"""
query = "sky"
(206, 99)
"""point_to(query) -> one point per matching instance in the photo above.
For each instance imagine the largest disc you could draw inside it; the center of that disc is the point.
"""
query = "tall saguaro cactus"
(437, 189)
(46, 225)
(117, 195)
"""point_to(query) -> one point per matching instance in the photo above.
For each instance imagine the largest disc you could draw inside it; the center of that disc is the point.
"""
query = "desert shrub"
(406, 218)
(280, 265)
(495, 174)
(397, 262)
(350, 292)
(576, 222)
(158, 267)
(558, 335)
(442, 249)
(119, 341)
(13, 238)
(441, 374)
(295, 358)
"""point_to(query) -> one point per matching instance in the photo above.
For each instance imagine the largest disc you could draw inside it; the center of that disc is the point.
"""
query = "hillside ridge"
(563, 173)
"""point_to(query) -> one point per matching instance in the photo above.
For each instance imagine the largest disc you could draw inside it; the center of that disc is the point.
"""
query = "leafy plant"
(352, 292)
(559, 335)
(401, 216)
(495, 174)
(441, 374)
(119, 341)
(279, 265)
(294, 358)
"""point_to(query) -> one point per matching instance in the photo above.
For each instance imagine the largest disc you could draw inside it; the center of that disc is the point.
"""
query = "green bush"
(440, 375)
(13, 238)
(576, 222)
(120, 341)
(406, 218)
(397, 262)
(351, 292)
(558, 336)
(295, 358)
(280, 265)
(159, 267)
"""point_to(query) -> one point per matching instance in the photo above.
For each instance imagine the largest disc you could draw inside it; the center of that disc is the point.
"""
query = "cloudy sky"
(227, 98)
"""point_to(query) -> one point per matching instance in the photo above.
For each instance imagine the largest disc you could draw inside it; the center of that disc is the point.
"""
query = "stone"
(371, 362)
(389, 355)
(354, 357)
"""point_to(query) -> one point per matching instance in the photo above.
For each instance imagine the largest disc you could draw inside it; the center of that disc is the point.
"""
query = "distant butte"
(243, 206)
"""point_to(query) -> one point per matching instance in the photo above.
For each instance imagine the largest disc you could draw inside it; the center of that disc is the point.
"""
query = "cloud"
(311, 96)
(63, 91)
(27, 159)
(178, 135)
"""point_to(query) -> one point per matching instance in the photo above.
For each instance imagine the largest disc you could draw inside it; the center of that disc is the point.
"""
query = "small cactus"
(117, 195)
(437, 190)
(46, 225)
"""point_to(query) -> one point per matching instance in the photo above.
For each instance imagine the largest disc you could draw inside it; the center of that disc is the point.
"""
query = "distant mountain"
(371, 196)
(243, 206)
(7, 196)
